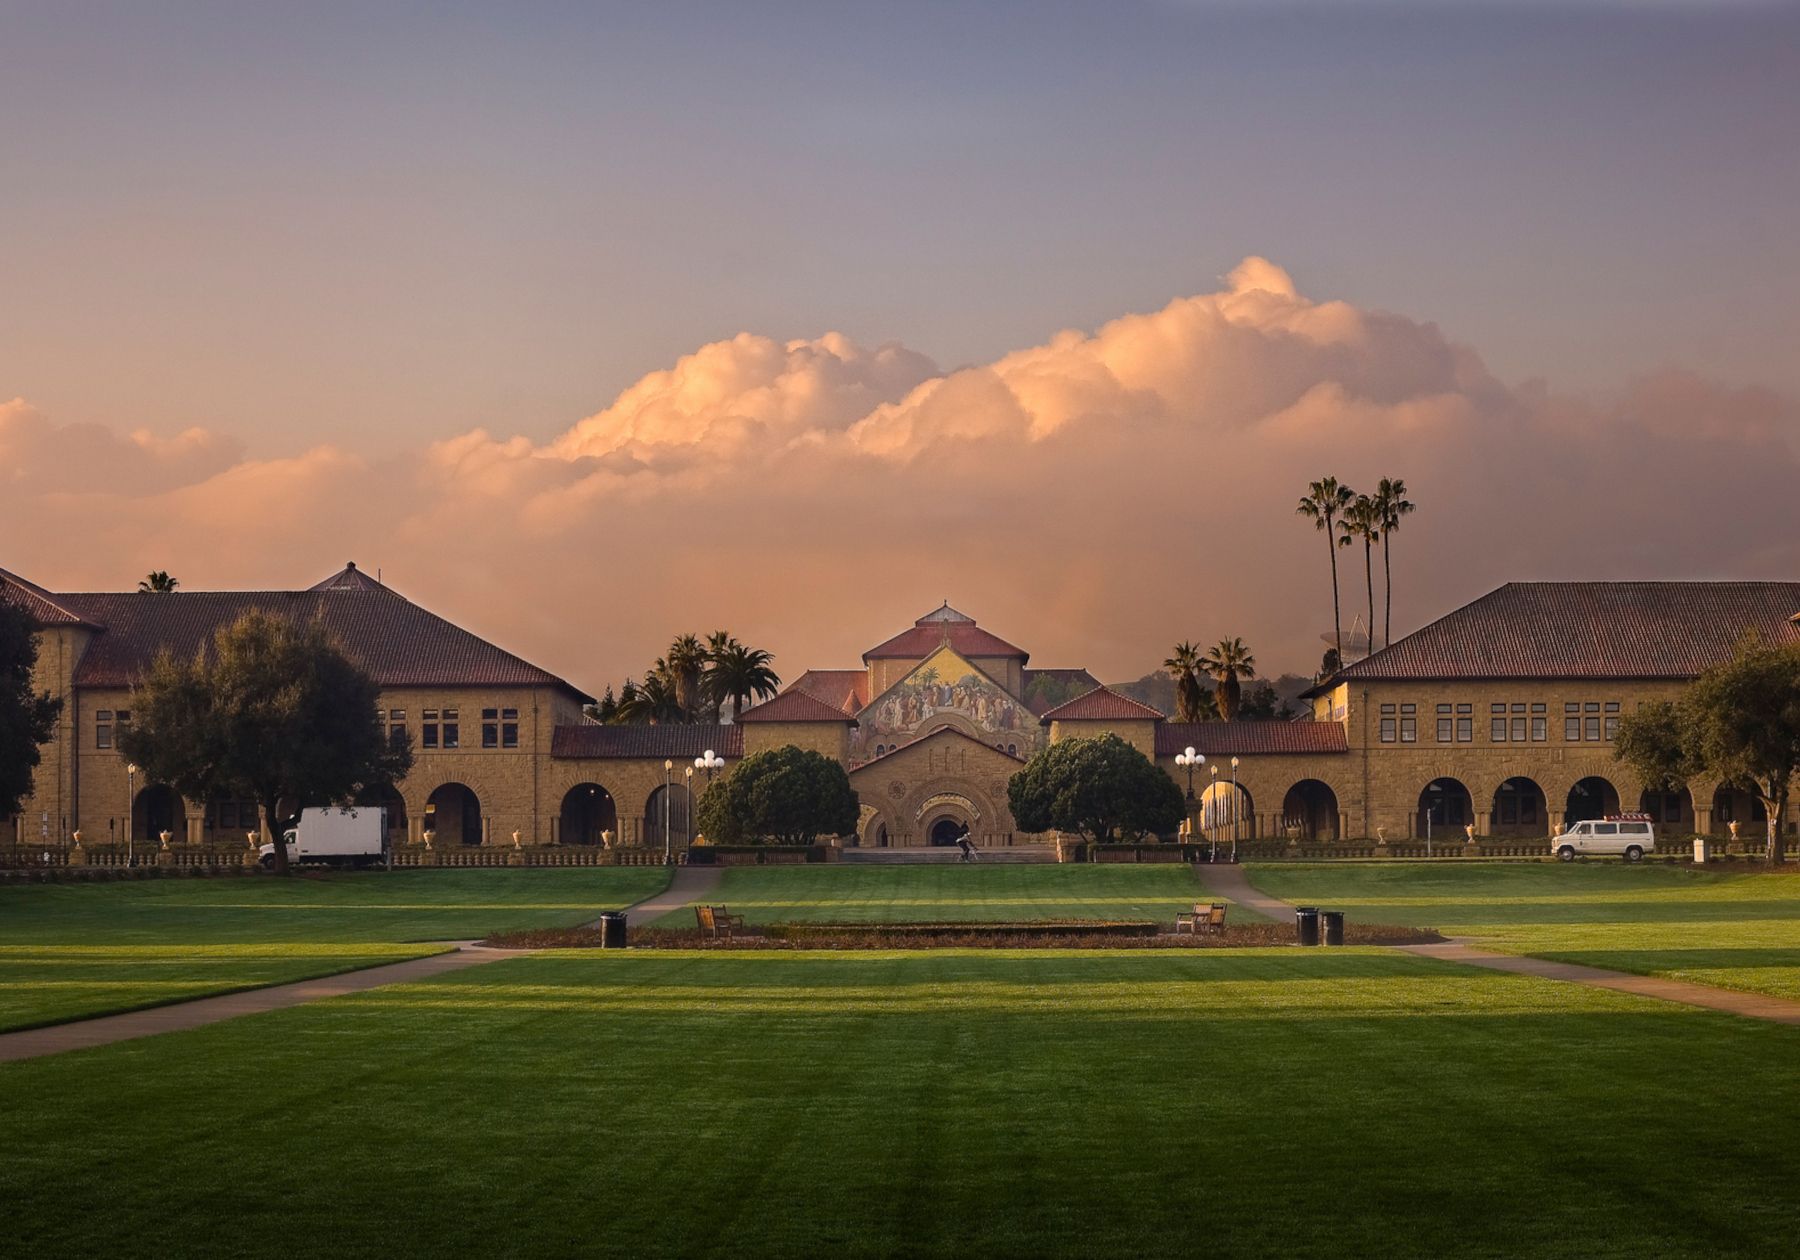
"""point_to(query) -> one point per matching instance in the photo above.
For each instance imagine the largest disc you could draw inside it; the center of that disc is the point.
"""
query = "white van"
(1628, 835)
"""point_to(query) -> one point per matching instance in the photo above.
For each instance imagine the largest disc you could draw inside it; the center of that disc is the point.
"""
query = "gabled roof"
(796, 706)
(683, 743)
(39, 604)
(1243, 739)
(1103, 704)
(911, 744)
(399, 643)
(847, 689)
(1589, 630)
(944, 627)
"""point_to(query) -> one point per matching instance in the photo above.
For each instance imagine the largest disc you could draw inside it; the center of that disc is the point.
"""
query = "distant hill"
(1263, 697)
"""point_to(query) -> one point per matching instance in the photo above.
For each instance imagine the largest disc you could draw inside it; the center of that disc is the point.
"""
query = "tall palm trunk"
(1369, 574)
(1387, 590)
(1337, 615)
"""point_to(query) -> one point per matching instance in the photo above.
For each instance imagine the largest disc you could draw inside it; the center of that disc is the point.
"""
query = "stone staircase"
(1008, 854)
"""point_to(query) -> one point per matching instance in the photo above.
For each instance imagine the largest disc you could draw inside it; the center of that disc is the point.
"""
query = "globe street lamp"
(1187, 758)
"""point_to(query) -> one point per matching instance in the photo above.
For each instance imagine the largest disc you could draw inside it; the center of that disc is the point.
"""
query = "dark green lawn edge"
(132, 1007)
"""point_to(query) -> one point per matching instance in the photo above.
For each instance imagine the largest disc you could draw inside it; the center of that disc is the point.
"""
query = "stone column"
(1483, 820)
(1703, 820)
(1556, 821)
(196, 822)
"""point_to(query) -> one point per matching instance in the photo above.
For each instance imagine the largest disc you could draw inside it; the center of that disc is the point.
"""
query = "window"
(1572, 722)
(490, 728)
(396, 727)
(1518, 724)
(1409, 724)
(1540, 723)
(1389, 728)
(1606, 829)
(509, 728)
(225, 815)
(103, 728)
(1497, 723)
(1612, 719)
(451, 730)
(1013, 749)
(428, 730)
(1465, 723)
(1590, 726)
(1443, 724)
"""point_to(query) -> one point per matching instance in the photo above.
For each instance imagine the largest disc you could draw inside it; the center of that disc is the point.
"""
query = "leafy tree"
(1362, 519)
(1184, 667)
(605, 710)
(1324, 502)
(786, 795)
(1100, 788)
(27, 717)
(1226, 662)
(737, 674)
(1739, 722)
(1045, 691)
(1261, 700)
(159, 581)
(272, 710)
(1391, 504)
(1330, 663)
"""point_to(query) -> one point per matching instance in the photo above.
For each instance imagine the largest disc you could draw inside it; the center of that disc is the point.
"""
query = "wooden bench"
(718, 921)
(1206, 917)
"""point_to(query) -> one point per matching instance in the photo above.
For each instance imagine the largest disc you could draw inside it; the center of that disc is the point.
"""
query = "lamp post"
(668, 770)
(1187, 758)
(1236, 805)
(130, 801)
(687, 829)
(1212, 833)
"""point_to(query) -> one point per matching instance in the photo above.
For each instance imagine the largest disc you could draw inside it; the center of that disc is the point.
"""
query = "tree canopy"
(786, 795)
(27, 717)
(1739, 722)
(271, 710)
(1100, 788)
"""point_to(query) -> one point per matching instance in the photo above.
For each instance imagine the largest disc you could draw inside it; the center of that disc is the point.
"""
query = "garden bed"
(1088, 934)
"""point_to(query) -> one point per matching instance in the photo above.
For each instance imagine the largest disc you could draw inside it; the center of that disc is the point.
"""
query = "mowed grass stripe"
(857, 893)
(1017, 1103)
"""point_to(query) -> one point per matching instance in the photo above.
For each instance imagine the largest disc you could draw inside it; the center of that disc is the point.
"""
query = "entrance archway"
(1520, 809)
(1311, 808)
(587, 810)
(947, 831)
(680, 816)
(454, 813)
(1673, 811)
(1733, 804)
(1226, 814)
(1592, 797)
(1444, 807)
(158, 808)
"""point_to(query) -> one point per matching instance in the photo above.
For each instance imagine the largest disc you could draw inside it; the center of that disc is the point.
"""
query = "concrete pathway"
(689, 882)
(1230, 881)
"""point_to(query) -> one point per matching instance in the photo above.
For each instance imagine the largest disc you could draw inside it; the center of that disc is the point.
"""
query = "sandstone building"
(1498, 716)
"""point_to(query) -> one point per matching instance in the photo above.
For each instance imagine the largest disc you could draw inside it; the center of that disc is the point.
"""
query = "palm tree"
(1227, 661)
(1362, 519)
(652, 702)
(159, 581)
(1184, 666)
(1391, 500)
(1324, 502)
(685, 663)
(739, 674)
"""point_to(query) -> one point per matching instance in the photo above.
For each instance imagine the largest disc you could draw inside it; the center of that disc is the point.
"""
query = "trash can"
(1306, 925)
(612, 930)
(1332, 926)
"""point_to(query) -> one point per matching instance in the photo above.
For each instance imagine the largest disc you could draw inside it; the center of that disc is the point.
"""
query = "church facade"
(1498, 718)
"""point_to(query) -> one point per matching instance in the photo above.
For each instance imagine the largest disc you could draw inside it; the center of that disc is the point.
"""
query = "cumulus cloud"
(1095, 497)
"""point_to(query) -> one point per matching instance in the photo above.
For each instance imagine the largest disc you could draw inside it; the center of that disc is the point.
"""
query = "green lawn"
(73, 950)
(1736, 931)
(856, 893)
(1028, 1103)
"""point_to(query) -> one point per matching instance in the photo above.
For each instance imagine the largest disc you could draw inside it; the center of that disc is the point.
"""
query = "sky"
(590, 324)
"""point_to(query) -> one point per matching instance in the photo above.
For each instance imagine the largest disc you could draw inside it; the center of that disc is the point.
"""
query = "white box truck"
(335, 835)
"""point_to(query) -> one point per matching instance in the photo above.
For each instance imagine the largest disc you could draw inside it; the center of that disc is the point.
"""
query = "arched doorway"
(679, 816)
(1520, 809)
(1227, 813)
(947, 831)
(1444, 808)
(1311, 808)
(587, 811)
(1592, 797)
(454, 813)
(158, 808)
(1733, 804)
(1670, 809)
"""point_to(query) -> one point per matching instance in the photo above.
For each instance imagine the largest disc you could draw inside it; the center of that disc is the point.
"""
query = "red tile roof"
(1243, 739)
(936, 629)
(398, 642)
(1103, 704)
(681, 743)
(846, 689)
(796, 706)
(37, 602)
(1590, 630)
(935, 734)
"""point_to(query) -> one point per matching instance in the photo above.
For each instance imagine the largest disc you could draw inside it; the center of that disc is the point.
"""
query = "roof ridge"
(1053, 714)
